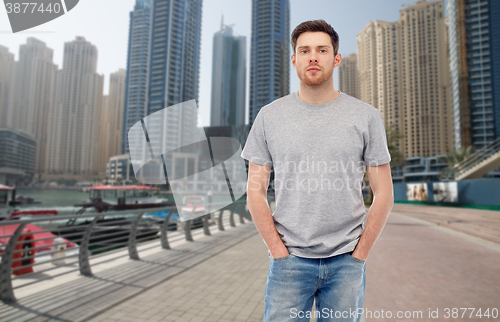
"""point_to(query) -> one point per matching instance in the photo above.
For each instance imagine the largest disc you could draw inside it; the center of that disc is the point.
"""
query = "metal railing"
(474, 159)
(96, 233)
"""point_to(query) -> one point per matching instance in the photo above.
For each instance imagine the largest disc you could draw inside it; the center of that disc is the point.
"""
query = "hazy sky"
(105, 23)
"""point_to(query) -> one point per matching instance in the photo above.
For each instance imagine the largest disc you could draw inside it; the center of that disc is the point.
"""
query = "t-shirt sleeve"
(375, 151)
(255, 149)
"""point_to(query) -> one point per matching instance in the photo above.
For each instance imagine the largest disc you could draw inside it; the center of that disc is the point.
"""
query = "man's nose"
(313, 58)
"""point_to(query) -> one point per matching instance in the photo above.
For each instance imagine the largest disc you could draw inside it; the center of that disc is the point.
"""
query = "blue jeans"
(337, 283)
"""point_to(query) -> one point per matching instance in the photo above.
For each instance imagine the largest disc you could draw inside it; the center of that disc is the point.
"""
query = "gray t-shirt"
(319, 154)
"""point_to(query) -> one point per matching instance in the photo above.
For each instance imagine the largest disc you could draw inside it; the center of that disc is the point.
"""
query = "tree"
(119, 181)
(394, 136)
(398, 159)
(452, 158)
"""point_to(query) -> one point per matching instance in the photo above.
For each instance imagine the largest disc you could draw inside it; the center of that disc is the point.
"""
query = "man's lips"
(313, 69)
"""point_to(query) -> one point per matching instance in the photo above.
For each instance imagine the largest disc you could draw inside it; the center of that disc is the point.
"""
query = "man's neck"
(317, 95)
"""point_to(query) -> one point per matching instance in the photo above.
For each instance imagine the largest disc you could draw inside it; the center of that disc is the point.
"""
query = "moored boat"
(42, 243)
(116, 230)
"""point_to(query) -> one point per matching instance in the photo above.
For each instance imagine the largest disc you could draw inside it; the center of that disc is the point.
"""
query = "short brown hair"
(315, 26)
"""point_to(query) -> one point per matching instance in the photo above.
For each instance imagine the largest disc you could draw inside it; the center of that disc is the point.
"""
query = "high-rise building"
(349, 76)
(74, 122)
(104, 133)
(270, 53)
(29, 96)
(137, 67)
(111, 119)
(404, 72)
(474, 30)
(172, 76)
(17, 159)
(228, 78)
(173, 72)
(6, 65)
(174, 56)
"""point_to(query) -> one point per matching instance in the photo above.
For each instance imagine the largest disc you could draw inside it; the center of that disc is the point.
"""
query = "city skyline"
(110, 35)
(172, 73)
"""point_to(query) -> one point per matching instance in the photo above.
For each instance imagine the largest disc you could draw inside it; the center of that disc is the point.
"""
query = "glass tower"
(137, 67)
(474, 31)
(270, 54)
(228, 78)
(174, 56)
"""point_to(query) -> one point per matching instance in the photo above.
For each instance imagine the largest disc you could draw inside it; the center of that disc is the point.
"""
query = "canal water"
(61, 200)
(64, 200)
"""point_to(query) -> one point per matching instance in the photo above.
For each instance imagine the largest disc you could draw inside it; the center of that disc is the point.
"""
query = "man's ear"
(338, 59)
(293, 60)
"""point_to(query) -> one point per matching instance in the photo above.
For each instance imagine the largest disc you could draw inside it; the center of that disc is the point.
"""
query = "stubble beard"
(316, 81)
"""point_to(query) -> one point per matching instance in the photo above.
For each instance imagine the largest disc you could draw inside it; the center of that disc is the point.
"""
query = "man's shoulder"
(358, 105)
(277, 104)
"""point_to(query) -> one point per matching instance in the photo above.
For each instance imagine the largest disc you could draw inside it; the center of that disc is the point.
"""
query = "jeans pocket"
(282, 258)
(355, 259)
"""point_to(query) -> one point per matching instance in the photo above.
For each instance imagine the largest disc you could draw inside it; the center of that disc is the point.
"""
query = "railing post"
(187, 230)
(163, 232)
(240, 212)
(248, 216)
(221, 226)
(6, 291)
(231, 216)
(206, 230)
(83, 255)
(132, 243)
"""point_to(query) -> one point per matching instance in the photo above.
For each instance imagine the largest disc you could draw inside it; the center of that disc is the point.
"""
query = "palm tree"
(394, 136)
(452, 158)
(398, 159)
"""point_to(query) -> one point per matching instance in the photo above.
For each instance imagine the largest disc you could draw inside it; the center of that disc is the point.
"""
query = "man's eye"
(304, 51)
(323, 50)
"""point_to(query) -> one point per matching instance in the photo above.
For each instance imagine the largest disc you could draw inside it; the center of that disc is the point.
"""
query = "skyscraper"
(174, 57)
(349, 76)
(111, 119)
(474, 30)
(29, 97)
(74, 122)
(6, 64)
(137, 67)
(404, 72)
(228, 78)
(173, 74)
(172, 66)
(270, 53)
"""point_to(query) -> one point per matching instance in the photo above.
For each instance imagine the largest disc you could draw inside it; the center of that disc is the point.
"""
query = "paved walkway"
(415, 266)
(480, 223)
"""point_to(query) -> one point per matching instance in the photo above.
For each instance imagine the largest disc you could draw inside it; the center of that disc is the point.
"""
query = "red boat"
(42, 241)
(104, 198)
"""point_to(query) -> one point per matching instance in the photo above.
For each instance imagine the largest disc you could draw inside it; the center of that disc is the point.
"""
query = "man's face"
(314, 58)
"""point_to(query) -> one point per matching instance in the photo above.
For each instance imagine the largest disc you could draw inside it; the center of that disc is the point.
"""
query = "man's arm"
(383, 200)
(258, 181)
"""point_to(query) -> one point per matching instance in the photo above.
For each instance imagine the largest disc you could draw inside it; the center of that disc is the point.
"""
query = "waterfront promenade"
(415, 266)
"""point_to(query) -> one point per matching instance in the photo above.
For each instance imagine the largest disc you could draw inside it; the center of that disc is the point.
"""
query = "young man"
(320, 142)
